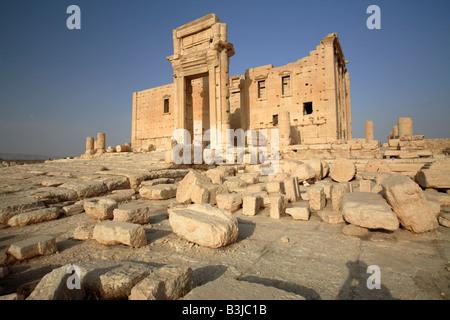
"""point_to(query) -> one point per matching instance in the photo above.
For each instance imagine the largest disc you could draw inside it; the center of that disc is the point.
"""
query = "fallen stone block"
(443, 198)
(215, 175)
(17, 203)
(355, 231)
(133, 213)
(251, 204)
(277, 205)
(54, 286)
(101, 209)
(342, 170)
(433, 178)
(207, 193)
(31, 217)
(331, 217)
(121, 195)
(368, 210)
(84, 232)
(292, 189)
(159, 192)
(111, 280)
(337, 195)
(165, 283)
(280, 176)
(303, 172)
(114, 232)
(444, 220)
(317, 199)
(233, 183)
(259, 187)
(186, 186)
(77, 207)
(85, 188)
(299, 212)
(326, 186)
(275, 187)
(229, 201)
(366, 185)
(250, 178)
(205, 225)
(31, 247)
(409, 204)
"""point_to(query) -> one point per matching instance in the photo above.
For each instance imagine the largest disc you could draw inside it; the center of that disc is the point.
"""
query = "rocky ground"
(271, 258)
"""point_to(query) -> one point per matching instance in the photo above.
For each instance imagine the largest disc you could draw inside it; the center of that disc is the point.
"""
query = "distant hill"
(21, 156)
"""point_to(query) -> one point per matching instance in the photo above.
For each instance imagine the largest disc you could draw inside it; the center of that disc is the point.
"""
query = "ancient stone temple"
(308, 100)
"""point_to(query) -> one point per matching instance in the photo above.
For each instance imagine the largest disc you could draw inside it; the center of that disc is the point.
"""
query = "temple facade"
(307, 100)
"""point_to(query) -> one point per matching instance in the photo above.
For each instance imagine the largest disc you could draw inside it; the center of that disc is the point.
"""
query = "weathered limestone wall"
(150, 122)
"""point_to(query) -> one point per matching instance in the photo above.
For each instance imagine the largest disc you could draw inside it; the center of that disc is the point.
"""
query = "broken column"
(405, 127)
(101, 146)
(369, 131)
(395, 132)
(284, 125)
(90, 145)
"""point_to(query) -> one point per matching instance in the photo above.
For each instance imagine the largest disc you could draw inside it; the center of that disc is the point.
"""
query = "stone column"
(405, 127)
(395, 132)
(284, 125)
(369, 131)
(101, 145)
(89, 145)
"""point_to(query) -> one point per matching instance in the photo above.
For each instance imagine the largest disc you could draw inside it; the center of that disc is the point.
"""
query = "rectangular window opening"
(286, 85)
(307, 108)
(166, 105)
(262, 89)
(275, 120)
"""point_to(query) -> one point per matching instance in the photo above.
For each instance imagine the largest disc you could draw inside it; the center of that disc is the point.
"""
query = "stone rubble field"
(133, 227)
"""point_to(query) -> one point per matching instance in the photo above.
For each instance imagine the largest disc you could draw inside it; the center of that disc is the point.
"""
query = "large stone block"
(337, 195)
(233, 183)
(207, 193)
(114, 232)
(165, 283)
(317, 198)
(278, 204)
(275, 187)
(205, 225)
(292, 189)
(369, 210)
(36, 216)
(303, 172)
(186, 186)
(53, 286)
(159, 192)
(100, 209)
(342, 170)
(331, 217)
(31, 247)
(409, 204)
(133, 213)
(433, 178)
(229, 201)
(251, 204)
(299, 212)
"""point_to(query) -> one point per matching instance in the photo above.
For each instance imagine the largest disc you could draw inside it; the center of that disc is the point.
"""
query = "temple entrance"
(197, 119)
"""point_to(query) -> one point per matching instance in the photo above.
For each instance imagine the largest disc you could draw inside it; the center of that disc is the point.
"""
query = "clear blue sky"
(58, 86)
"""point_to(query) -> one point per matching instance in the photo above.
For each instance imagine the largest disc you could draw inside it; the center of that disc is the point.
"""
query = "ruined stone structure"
(308, 100)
